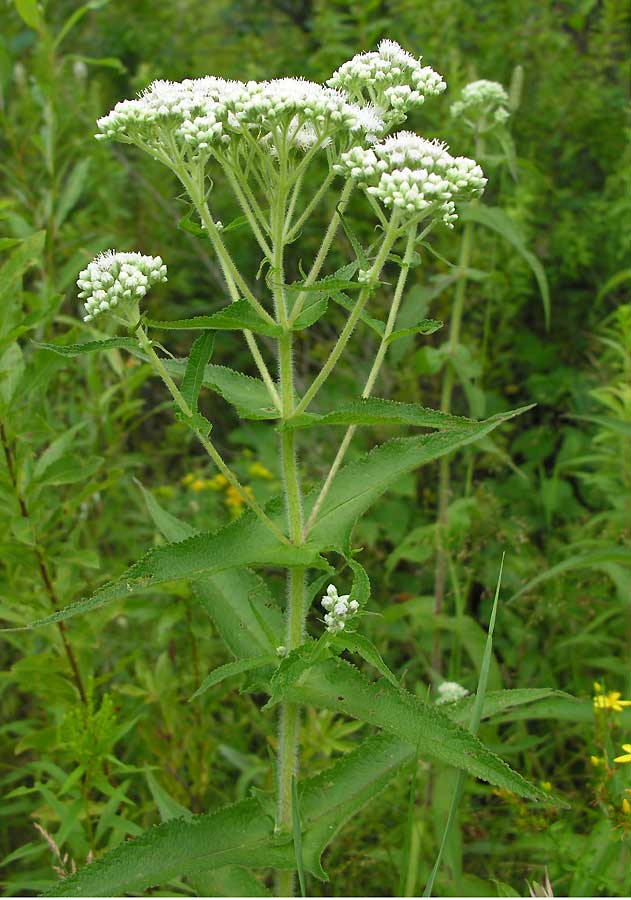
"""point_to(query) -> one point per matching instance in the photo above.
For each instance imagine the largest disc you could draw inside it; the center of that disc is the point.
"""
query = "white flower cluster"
(389, 77)
(449, 691)
(414, 175)
(112, 278)
(482, 102)
(339, 609)
(211, 112)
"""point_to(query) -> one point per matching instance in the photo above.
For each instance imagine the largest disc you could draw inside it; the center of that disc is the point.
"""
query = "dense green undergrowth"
(97, 739)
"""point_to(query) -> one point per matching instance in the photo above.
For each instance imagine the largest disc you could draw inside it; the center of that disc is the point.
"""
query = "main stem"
(444, 478)
(289, 724)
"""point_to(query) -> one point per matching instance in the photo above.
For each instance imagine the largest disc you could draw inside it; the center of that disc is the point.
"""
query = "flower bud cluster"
(339, 609)
(449, 691)
(414, 175)
(482, 103)
(115, 278)
(389, 77)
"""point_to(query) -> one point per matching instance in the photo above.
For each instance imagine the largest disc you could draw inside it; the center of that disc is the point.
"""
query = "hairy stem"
(370, 381)
(207, 444)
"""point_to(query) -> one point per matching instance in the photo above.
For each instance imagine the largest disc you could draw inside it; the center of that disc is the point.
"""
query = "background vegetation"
(95, 723)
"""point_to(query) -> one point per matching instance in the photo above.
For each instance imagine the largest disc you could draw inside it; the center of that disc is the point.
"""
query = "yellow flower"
(626, 807)
(546, 785)
(217, 483)
(626, 757)
(598, 688)
(258, 470)
(188, 479)
(596, 761)
(234, 500)
(198, 485)
(610, 700)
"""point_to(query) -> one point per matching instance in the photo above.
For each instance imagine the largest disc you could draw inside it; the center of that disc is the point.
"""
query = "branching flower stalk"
(264, 136)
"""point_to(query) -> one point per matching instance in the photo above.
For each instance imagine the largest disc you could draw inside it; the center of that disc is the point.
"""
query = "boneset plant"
(263, 137)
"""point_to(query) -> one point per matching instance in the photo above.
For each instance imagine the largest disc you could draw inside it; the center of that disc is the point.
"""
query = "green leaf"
(29, 12)
(496, 220)
(297, 833)
(242, 834)
(498, 702)
(167, 806)
(229, 881)
(355, 243)
(425, 326)
(310, 313)
(238, 601)
(238, 316)
(72, 189)
(375, 411)
(245, 542)
(359, 484)
(201, 352)
(248, 395)
(338, 686)
(342, 280)
(56, 450)
(186, 223)
(357, 643)
(231, 669)
(26, 255)
(346, 303)
(125, 343)
(591, 560)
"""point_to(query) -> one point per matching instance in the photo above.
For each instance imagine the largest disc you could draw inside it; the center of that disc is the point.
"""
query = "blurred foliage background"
(94, 716)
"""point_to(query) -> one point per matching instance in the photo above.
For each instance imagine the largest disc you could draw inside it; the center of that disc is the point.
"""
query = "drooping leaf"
(375, 411)
(231, 669)
(496, 220)
(425, 326)
(168, 807)
(238, 600)
(358, 643)
(338, 686)
(238, 316)
(358, 485)
(497, 702)
(125, 343)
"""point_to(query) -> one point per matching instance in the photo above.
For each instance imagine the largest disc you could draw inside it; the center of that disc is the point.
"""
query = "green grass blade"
(295, 811)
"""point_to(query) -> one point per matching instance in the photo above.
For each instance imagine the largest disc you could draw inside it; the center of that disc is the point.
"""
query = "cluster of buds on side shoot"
(450, 691)
(338, 609)
(118, 280)
(482, 105)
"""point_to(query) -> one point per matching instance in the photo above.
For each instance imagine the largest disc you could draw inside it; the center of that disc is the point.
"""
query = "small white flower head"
(193, 112)
(449, 691)
(414, 176)
(301, 113)
(281, 650)
(390, 78)
(338, 609)
(118, 279)
(482, 105)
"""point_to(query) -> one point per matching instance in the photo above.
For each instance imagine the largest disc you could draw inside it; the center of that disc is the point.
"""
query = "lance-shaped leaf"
(246, 542)
(238, 316)
(375, 411)
(358, 485)
(498, 702)
(248, 395)
(338, 686)
(194, 374)
(238, 601)
(125, 343)
(231, 669)
(242, 834)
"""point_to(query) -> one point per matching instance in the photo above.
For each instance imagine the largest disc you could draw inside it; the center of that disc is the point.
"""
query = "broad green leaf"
(201, 352)
(248, 395)
(186, 223)
(231, 669)
(357, 643)
(593, 559)
(359, 484)
(375, 411)
(125, 343)
(245, 542)
(242, 834)
(498, 702)
(29, 12)
(496, 220)
(338, 686)
(238, 601)
(236, 317)
(310, 313)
